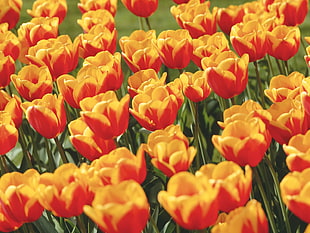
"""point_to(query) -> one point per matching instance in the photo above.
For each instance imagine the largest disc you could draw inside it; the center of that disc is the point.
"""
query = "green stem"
(154, 224)
(10, 163)
(51, 161)
(3, 165)
(279, 67)
(61, 151)
(233, 100)
(148, 23)
(178, 229)
(22, 142)
(140, 23)
(260, 84)
(286, 68)
(270, 65)
(80, 224)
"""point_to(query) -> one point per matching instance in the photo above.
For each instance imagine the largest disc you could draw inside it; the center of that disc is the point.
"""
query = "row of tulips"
(129, 147)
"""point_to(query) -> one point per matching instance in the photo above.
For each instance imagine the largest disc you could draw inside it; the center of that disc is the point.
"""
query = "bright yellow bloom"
(92, 5)
(92, 18)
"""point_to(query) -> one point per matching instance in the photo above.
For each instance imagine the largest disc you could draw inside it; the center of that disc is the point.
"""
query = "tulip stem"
(3, 165)
(51, 161)
(270, 65)
(286, 68)
(148, 23)
(279, 67)
(22, 142)
(154, 224)
(61, 151)
(260, 84)
(81, 225)
(140, 23)
(178, 229)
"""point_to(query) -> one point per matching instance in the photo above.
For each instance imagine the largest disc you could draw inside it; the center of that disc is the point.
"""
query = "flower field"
(154, 116)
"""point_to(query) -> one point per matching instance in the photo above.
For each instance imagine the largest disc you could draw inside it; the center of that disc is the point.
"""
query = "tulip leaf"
(43, 225)
(169, 227)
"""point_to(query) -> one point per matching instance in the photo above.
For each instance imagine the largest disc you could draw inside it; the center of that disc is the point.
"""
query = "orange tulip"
(11, 105)
(7, 224)
(120, 165)
(59, 54)
(64, 192)
(33, 82)
(234, 184)
(86, 142)
(226, 73)
(52, 8)
(30, 33)
(170, 151)
(191, 201)
(294, 191)
(142, 8)
(9, 44)
(250, 38)
(18, 191)
(284, 87)
(207, 45)
(175, 48)
(99, 38)
(139, 52)
(196, 17)
(229, 16)
(269, 20)
(307, 57)
(195, 85)
(7, 68)
(298, 153)
(283, 38)
(10, 12)
(8, 133)
(242, 138)
(250, 219)
(119, 208)
(92, 5)
(47, 115)
(105, 115)
(92, 18)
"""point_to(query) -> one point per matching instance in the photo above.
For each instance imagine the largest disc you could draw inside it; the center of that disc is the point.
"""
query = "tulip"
(86, 142)
(92, 18)
(52, 8)
(184, 1)
(226, 74)
(142, 8)
(10, 12)
(119, 208)
(170, 150)
(105, 115)
(229, 16)
(191, 201)
(284, 87)
(242, 138)
(9, 44)
(33, 82)
(92, 5)
(59, 54)
(11, 105)
(283, 38)
(294, 191)
(307, 57)
(298, 153)
(195, 86)
(250, 219)
(8, 133)
(7, 224)
(7, 68)
(250, 38)
(99, 38)
(139, 52)
(47, 115)
(64, 192)
(234, 185)
(175, 48)
(18, 191)
(269, 20)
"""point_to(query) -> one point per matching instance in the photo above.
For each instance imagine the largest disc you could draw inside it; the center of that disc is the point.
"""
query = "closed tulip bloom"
(11, 105)
(283, 87)
(175, 48)
(9, 44)
(294, 191)
(30, 33)
(105, 115)
(142, 8)
(86, 142)
(298, 153)
(52, 8)
(283, 38)
(65, 191)
(8, 133)
(205, 46)
(92, 5)
(244, 142)
(119, 208)
(18, 191)
(196, 17)
(59, 54)
(139, 52)
(234, 184)
(10, 12)
(7, 224)
(47, 115)
(226, 73)
(229, 16)
(92, 18)
(250, 219)
(7, 68)
(99, 38)
(170, 150)
(191, 201)
(33, 82)
(195, 85)
(250, 38)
